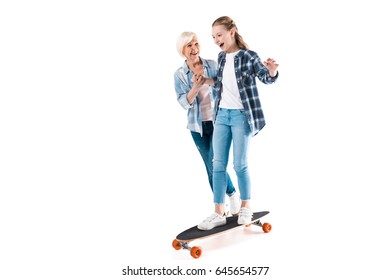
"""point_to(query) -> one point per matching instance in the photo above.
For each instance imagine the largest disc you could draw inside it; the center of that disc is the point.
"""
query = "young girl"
(239, 115)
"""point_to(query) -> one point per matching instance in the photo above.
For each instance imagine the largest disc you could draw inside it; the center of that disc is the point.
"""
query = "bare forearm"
(273, 73)
(209, 81)
(191, 95)
(198, 82)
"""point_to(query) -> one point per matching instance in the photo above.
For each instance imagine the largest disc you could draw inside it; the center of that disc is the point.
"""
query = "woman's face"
(192, 49)
(224, 38)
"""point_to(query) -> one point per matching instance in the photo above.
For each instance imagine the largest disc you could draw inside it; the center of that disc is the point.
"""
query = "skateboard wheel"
(176, 244)
(267, 227)
(196, 252)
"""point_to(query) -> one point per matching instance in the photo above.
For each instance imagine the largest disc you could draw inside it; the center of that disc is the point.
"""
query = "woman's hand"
(198, 80)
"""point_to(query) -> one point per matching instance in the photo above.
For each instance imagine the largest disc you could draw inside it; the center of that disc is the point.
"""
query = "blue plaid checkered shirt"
(248, 66)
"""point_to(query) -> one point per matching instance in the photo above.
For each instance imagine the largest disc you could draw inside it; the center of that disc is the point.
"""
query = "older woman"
(199, 99)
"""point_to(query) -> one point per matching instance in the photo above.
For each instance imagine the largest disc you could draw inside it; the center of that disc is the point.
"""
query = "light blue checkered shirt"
(183, 85)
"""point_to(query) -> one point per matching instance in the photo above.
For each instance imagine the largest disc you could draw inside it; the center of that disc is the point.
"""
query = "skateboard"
(183, 239)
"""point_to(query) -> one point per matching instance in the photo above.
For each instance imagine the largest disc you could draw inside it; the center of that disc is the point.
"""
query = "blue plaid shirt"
(247, 66)
(183, 85)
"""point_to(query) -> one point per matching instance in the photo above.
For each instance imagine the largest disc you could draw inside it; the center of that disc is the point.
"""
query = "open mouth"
(221, 45)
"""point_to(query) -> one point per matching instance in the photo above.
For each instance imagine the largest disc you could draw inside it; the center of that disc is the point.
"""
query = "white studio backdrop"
(99, 173)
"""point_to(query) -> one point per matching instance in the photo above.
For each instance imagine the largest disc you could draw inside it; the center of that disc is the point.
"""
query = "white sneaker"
(244, 216)
(235, 203)
(212, 221)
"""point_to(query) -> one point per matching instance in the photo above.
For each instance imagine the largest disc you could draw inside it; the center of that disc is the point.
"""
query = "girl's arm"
(266, 72)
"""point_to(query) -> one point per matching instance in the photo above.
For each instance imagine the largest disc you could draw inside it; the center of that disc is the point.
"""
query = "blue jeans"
(231, 125)
(205, 147)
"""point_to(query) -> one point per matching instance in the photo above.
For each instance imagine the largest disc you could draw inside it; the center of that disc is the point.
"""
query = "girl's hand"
(272, 66)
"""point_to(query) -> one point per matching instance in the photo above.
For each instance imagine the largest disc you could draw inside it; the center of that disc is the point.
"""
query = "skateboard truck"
(195, 251)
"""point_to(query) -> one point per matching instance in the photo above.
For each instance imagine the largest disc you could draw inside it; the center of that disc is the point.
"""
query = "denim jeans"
(231, 125)
(204, 144)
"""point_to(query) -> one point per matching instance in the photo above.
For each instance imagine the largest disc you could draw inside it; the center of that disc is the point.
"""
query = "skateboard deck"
(182, 239)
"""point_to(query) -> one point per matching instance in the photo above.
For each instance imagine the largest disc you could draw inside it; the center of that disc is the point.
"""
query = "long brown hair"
(229, 24)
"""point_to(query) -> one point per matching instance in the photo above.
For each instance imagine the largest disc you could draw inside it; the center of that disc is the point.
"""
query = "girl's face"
(224, 38)
(192, 49)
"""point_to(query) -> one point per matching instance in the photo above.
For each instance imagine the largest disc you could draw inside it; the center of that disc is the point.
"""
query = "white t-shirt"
(230, 96)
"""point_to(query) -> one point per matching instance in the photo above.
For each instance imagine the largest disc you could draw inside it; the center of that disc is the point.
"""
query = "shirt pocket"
(247, 77)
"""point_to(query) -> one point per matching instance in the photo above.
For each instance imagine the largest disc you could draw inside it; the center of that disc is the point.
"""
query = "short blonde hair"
(183, 40)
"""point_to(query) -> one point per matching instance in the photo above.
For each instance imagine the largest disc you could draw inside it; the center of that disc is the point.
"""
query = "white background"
(98, 171)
